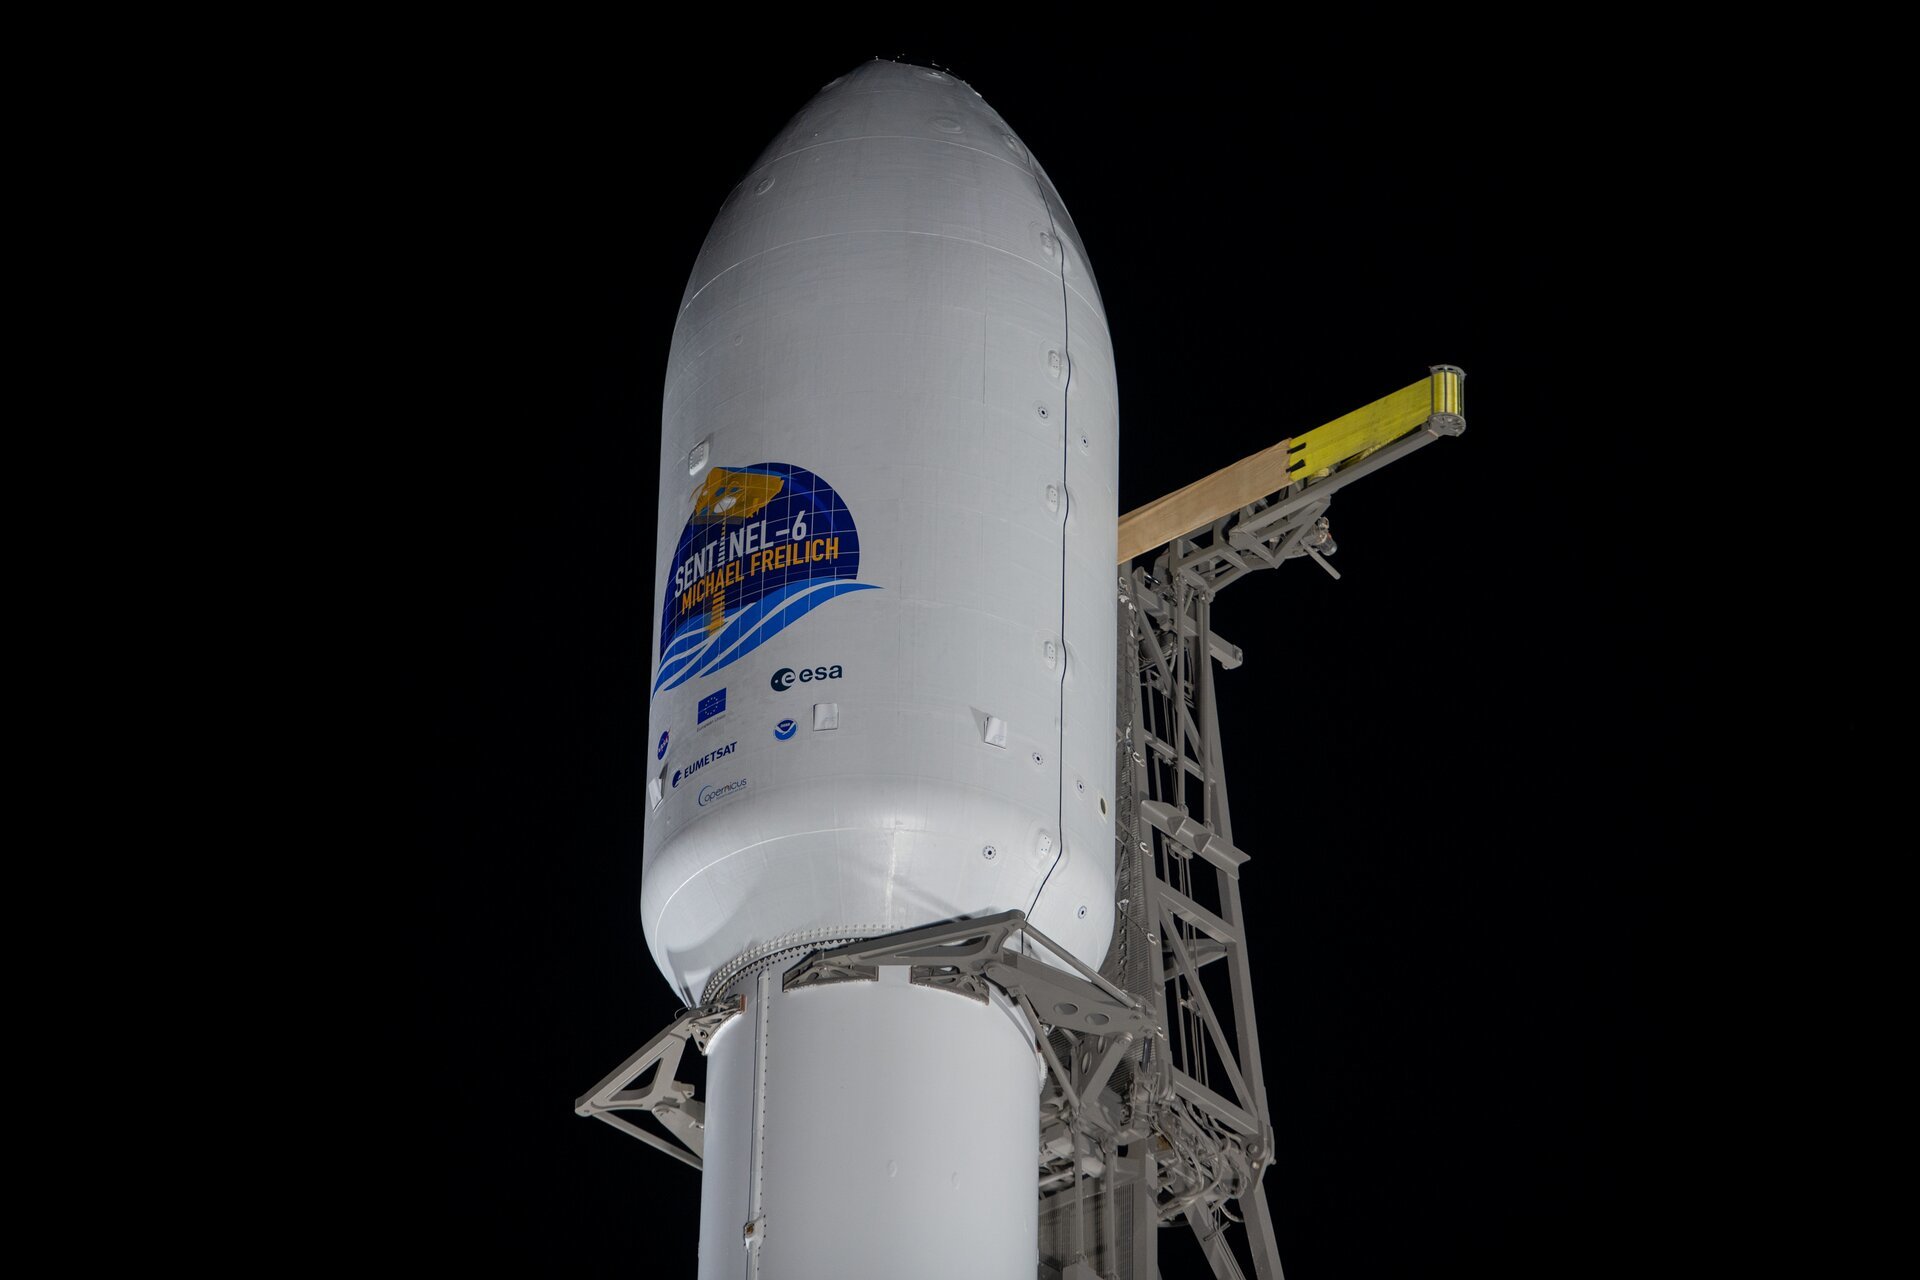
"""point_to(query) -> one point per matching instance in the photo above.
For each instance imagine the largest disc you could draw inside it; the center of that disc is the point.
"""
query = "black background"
(1458, 770)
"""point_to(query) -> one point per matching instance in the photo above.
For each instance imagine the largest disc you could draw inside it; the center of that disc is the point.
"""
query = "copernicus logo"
(709, 794)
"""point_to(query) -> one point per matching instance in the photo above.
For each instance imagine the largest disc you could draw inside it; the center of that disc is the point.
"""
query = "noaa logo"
(785, 729)
(660, 752)
(787, 677)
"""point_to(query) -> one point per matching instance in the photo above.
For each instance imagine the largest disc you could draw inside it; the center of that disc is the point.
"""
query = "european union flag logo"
(712, 705)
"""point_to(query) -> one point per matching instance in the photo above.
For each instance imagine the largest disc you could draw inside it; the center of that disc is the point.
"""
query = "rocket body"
(883, 683)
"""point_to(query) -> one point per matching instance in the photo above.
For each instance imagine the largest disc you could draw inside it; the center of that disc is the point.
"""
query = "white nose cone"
(884, 677)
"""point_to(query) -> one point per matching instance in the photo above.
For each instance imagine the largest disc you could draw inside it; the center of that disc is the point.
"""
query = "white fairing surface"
(884, 662)
(870, 1131)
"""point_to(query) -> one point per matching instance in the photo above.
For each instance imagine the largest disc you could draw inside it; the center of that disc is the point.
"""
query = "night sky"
(1457, 770)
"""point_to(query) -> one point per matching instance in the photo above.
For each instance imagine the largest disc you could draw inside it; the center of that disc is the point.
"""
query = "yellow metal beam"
(1297, 459)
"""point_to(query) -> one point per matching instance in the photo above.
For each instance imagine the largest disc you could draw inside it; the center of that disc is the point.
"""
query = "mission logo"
(766, 545)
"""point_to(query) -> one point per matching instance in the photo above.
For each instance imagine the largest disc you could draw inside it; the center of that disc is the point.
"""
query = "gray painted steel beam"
(1201, 1096)
(1187, 909)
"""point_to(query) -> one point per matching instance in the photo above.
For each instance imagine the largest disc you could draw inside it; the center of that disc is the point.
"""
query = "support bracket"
(665, 1097)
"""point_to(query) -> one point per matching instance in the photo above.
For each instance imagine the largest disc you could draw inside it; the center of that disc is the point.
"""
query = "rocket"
(883, 688)
(937, 833)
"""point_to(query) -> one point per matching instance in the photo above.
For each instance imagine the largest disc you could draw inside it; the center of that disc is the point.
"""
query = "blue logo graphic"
(660, 752)
(712, 705)
(676, 777)
(765, 546)
(784, 730)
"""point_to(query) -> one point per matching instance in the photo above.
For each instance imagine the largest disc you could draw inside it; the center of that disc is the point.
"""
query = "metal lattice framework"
(1154, 1111)
(1194, 1134)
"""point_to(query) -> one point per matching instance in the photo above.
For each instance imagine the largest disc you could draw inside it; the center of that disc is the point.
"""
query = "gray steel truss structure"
(1155, 1108)
(1180, 1131)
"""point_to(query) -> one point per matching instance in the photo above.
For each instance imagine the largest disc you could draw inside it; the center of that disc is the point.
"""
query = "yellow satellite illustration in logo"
(733, 495)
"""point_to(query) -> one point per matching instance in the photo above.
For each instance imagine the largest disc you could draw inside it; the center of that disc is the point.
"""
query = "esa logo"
(785, 729)
(786, 677)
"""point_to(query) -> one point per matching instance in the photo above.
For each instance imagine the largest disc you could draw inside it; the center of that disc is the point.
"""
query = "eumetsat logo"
(703, 762)
(710, 794)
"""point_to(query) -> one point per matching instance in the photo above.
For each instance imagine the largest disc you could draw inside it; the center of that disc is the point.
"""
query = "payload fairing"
(938, 848)
(884, 688)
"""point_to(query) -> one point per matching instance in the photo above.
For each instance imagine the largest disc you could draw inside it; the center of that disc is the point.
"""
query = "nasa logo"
(712, 705)
(786, 677)
(785, 729)
(660, 752)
